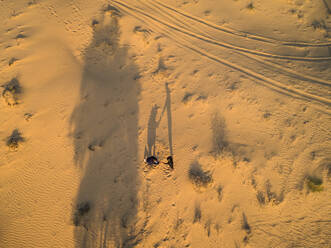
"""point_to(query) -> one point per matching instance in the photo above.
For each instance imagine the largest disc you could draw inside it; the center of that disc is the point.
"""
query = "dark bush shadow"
(105, 133)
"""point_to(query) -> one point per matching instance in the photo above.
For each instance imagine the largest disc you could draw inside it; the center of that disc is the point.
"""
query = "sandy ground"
(238, 92)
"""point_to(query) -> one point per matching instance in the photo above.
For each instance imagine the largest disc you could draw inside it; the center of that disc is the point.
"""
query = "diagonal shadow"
(167, 106)
(153, 124)
(105, 132)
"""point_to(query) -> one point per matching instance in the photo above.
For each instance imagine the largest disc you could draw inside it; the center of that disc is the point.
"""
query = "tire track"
(221, 44)
(241, 33)
(278, 67)
(270, 83)
(178, 21)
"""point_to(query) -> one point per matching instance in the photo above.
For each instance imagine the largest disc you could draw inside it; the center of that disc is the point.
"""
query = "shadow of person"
(153, 124)
(167, 107)
(105, 133)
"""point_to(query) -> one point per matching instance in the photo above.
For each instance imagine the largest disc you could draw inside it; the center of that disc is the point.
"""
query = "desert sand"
(238, 92)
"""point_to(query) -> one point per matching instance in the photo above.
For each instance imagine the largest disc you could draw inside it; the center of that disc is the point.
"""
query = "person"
(151, 160)
(170, 162)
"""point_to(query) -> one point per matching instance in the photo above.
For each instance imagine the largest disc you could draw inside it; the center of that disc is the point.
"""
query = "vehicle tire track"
(178, 21)
(241, 33)
(284, 69)
(270, 83)
(221, 44)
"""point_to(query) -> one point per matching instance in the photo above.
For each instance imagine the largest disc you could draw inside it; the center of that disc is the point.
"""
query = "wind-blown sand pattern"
(237, 92)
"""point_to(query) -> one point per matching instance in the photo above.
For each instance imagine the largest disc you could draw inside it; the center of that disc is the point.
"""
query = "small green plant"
(315, 184)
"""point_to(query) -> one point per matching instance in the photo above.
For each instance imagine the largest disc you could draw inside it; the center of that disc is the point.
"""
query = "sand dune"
(237, 92)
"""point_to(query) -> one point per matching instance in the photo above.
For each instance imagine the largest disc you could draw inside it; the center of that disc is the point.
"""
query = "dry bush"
(14, 140)
(219, 142)
(197, 214)
(11, 91)
(314, 184)
(199, 178)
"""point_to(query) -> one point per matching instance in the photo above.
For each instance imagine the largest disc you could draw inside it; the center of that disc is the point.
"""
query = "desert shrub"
(250, 6)
(198, 177)
(318, 24)
(220, 192)
(245, 224)
(197, 214)
(187, 97)
(11, 91)
(314, 184)
(14, 140)
(260, 197)
(219, 142)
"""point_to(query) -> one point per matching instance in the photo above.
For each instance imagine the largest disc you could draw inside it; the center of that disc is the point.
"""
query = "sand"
(237, 92)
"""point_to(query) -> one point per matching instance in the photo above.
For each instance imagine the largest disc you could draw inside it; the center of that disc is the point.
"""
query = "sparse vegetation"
(95, 22)
(245, 224)
(269, 196)
(33, 2)
(197, 214)
(124, 221)
(318, 24)
(14, 140)
(250, 6)
(260, 197)
(218, 134)
(178, 223)
(11, 91)
(328, 168)
(20, 36)
(12, 61)
(198, 177)
(220, 192)
(112, 10)
(315, 184)
(28, 116)
(187, 97)
(207, 227)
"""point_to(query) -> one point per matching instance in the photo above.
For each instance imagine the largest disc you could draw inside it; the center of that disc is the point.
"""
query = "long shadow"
(167, 106)
(105, 133)
(153, 124)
